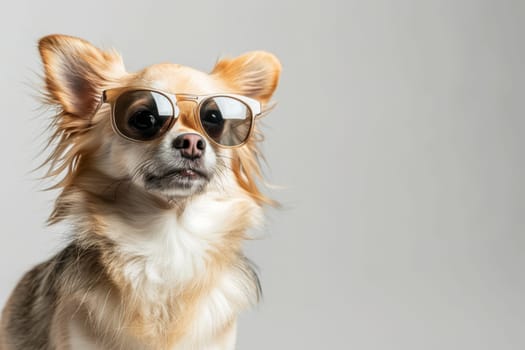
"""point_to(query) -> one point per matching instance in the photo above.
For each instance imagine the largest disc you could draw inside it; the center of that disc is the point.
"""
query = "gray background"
(398, 138)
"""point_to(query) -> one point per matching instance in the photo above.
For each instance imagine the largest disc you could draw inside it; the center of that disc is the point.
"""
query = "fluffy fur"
(149, 266)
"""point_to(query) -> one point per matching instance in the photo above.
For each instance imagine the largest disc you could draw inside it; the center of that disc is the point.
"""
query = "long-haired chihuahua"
(158, 174)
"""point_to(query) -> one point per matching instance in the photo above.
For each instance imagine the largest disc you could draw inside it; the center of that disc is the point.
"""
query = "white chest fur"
(166, 252)
(166, 248)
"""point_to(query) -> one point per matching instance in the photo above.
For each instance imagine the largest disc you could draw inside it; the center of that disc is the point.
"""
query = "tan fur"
(88, 284)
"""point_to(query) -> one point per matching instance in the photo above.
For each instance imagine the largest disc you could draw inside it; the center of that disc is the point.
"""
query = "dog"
(159, 179)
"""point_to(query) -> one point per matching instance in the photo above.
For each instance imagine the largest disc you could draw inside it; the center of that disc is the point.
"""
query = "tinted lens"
(142, 115)
(226, 120)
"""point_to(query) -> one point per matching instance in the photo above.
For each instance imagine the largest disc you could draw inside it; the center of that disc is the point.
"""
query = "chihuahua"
(158, 172)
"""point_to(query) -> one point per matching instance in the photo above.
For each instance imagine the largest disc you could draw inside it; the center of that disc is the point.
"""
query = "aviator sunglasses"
(142, 114)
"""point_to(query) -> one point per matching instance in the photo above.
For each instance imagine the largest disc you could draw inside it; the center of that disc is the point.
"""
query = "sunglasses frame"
(110, 96)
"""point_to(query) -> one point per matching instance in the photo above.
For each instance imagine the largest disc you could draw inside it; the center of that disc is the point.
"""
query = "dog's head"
(160, 128)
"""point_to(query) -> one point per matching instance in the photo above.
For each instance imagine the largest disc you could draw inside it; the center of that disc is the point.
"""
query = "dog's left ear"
(254, 74)
(76, 72)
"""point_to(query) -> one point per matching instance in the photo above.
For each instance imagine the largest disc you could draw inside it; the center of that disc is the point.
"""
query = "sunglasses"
(142, 114)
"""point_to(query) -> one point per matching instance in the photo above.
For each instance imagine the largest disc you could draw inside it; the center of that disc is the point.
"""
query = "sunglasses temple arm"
(266, 110)
(101, 101)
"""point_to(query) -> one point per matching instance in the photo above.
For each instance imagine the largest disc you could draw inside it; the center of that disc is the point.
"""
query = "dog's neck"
(148, 226)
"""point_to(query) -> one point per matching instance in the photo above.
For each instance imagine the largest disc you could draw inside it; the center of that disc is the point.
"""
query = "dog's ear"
(254, 74)
(76, 72)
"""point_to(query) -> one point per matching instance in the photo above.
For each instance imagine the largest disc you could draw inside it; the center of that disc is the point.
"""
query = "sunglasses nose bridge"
(181, 99)
(187, 112)
(186, 98)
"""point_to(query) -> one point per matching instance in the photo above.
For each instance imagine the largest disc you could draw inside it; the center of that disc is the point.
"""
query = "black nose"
(191, 146)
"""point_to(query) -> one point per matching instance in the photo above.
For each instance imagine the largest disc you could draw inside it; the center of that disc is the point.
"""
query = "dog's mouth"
(178, 182)
(183, 181)
(179, 175)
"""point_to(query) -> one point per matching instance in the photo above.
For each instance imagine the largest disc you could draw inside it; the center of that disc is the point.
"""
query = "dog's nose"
(191, 146)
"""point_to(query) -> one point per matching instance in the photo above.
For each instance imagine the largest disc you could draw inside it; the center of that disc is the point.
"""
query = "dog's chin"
(177, 183)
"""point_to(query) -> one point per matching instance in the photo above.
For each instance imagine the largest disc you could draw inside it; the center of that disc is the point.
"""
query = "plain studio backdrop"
(398, 139)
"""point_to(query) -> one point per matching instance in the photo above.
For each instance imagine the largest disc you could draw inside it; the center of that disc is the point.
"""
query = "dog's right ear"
(76, 72)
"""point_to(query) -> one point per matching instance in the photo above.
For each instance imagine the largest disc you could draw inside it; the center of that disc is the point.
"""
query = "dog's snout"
(191, 146)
